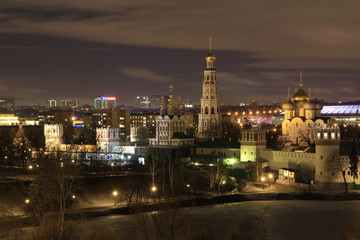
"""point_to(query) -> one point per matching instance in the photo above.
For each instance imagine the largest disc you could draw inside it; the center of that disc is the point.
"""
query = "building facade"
(170, 126)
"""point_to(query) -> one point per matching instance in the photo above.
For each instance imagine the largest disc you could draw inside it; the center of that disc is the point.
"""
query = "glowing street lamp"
(153, 189)
(27, 201)
(115, 193)
(270, 177)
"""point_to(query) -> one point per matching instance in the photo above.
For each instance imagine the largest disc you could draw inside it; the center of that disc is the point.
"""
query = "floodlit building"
(107, 144)
(209, 117)
(170, 126)
(303, 126)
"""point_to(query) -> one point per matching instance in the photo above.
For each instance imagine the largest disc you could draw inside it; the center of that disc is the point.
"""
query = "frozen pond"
(284, 220)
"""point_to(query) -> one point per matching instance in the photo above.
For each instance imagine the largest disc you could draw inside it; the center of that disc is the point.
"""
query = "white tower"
(251, 141)
(108, 140)
(53, 136)
(327, 142)
(209, 117)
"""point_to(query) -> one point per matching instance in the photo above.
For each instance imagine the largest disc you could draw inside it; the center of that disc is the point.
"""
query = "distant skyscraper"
(105, 102)
(52, 103)
(69, 103)
(149, 102)
(142, 102)
(209, 117)
(155, 101)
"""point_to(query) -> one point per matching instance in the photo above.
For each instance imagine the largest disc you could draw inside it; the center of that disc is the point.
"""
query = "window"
(320, 173)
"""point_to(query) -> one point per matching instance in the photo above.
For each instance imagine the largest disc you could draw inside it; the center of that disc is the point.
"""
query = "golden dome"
(319, 105)
(288, 105)
(311, 105)
(300, 96)
(210, 56)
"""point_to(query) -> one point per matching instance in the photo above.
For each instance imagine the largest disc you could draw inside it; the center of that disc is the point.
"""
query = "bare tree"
(354, 161)
(217, 176)
(154, 170)
(307, 136)
(340, 165)
(55, 182)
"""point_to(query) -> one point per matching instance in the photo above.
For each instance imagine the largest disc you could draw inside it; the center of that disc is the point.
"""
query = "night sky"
(84, 49)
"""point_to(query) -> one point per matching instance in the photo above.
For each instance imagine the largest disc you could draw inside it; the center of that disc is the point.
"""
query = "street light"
(153, 189)
(115, 193)
(270, 177)
(27, 201)
(263, 180)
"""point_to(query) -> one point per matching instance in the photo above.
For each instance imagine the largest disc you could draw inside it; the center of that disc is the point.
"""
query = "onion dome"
(300, 96)
(288, 105)
(310, 105)
(210, 57)
(319, 105)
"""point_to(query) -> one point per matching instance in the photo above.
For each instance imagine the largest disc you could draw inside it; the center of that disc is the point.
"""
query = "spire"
(162, 106)
(171, 89)
(289, 93)
(301, 84)
(210, 45)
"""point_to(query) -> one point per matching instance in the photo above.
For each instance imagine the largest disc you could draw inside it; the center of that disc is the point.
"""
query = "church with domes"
(302, 114)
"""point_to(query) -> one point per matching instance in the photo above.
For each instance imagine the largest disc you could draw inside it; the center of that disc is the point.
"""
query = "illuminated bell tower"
(209, 117)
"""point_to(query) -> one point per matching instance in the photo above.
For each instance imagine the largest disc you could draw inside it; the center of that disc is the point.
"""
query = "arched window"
(207, 77)
(212, 110)
(206, 110)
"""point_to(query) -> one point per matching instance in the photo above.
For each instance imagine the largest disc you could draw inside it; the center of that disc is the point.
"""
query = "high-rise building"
(155, 101)
(152, 102)
(69, 103)
(142, 102)
(209, 116)
(105, 102)
(51, 103)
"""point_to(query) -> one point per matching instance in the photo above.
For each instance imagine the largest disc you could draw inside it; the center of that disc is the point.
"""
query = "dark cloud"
(85, 48)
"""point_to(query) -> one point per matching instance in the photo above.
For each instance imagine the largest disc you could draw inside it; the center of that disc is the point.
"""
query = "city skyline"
(78, 50)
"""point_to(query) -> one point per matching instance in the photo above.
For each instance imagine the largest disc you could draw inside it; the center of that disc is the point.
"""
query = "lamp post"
(153, 191)
(115, 193)
(263, 180)
(270, 176)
